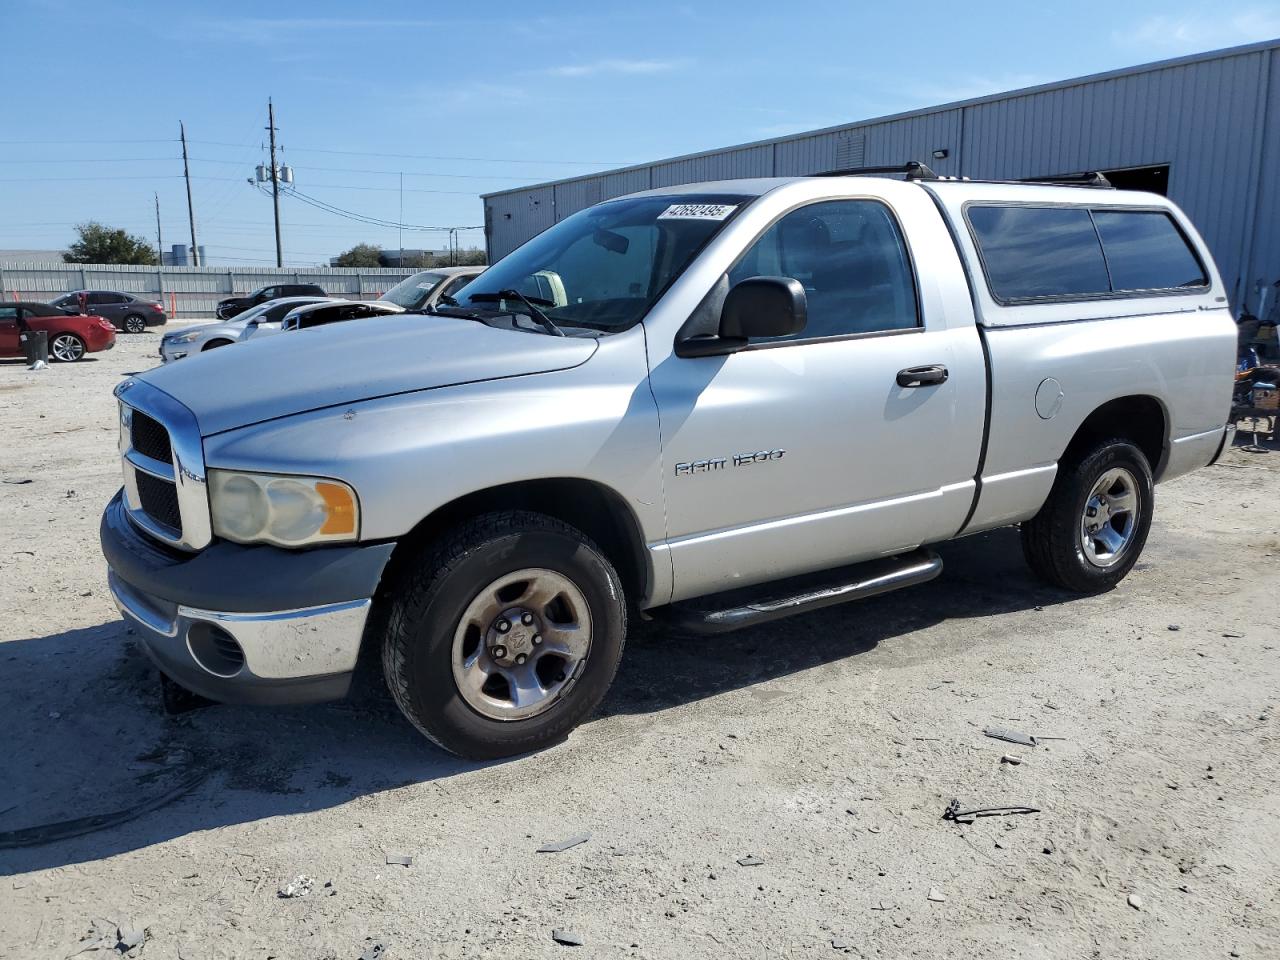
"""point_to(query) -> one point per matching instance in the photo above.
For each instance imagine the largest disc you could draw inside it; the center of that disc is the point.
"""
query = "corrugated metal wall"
(1212, 119)
(188, 291)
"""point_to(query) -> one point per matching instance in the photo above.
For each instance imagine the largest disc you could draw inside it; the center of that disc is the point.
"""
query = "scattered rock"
(559, 846)
(567, 938)
(1174, 627)
(376, 950)
(935, 895)
(1135, 901)
(299, 886)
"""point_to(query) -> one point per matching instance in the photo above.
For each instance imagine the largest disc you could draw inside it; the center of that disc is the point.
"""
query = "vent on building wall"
(851, 150)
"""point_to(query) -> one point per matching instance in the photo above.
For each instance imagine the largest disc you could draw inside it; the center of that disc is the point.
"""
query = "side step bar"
(749, 606)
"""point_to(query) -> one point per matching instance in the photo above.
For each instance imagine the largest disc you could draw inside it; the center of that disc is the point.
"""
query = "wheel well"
(215, 343)
(1139, 419)
(593, 508)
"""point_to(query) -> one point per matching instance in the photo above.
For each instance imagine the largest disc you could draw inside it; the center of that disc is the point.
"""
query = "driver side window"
(852, 261)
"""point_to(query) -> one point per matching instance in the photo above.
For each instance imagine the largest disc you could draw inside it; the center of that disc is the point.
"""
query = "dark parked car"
(235, 305)
(71, 335)
(127, 312)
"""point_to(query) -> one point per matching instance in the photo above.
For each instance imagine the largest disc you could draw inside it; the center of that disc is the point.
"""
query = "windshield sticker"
(697, 211)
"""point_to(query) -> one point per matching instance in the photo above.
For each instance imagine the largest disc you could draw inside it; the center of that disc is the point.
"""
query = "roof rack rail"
(1093, 178)
(914, 170)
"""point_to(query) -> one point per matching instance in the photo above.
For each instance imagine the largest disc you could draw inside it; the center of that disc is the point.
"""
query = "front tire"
(503, 636)
(134, 323)
(66, 348)
(1091, 530)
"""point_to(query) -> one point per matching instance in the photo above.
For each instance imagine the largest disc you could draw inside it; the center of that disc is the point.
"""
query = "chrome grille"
(159, 498)
(150, 439)
(164, 477)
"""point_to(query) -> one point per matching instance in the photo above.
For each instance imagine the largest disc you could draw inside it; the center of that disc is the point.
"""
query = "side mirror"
(755, 307)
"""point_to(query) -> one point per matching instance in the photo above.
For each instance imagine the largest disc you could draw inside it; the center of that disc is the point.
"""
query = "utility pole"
(275, 179)
(159, 236)
(191, 209)
(401, 263)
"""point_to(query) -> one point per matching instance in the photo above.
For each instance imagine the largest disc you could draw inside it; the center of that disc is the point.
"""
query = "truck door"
(857, 437)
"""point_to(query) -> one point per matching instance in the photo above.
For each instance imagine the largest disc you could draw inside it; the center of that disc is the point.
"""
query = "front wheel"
(1091, 530)
(66, 348)
(133, 323)
(505, 635)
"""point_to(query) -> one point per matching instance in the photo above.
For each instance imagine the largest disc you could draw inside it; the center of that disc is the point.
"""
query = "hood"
(342, 363)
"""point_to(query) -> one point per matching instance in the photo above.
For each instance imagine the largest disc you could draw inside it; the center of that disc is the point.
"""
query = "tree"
(361, 255)
(103, 244)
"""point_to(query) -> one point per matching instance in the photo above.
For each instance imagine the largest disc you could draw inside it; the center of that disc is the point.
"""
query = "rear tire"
(134, 323)
(66, 348)
(504, 635)
(1092, 528)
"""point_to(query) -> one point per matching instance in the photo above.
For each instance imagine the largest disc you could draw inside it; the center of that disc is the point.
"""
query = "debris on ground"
(16, 482)
(567, 938)
(954, 813)
(559, 846)
(935, 895)
(1010, 736)
(299, 886)
(750, 860)
(399, 859)
(840, 943)
(125, 939)
(1012, 761)
(374, 952)
(1135, 901)
(78, 826)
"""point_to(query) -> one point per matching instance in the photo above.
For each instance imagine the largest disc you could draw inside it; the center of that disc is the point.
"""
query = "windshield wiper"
(534, 313)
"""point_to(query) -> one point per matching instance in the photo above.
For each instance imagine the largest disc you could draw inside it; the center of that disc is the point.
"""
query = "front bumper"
(245, 624)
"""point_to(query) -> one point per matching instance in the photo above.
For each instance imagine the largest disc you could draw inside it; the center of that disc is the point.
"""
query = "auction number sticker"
(697, 211)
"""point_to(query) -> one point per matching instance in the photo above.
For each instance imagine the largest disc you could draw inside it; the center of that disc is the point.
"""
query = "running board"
(749, 606)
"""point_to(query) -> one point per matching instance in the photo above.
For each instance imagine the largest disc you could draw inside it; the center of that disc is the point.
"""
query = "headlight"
(287, 511)
(182, 337)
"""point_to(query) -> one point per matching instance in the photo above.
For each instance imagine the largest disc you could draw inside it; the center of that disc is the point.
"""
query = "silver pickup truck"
(714, 404)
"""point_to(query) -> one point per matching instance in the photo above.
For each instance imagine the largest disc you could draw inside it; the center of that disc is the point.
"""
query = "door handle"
(926, 376)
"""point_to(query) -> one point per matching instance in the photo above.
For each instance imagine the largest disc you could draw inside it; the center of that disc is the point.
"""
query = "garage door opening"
(1153, 179)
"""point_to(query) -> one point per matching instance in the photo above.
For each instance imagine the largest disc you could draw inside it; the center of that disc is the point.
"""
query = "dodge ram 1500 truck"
(716, 403)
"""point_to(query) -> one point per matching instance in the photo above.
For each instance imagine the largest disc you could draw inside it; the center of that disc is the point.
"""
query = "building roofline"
(1221, 54)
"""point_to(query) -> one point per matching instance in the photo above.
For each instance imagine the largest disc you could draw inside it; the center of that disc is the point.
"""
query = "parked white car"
(319, 314)
(209, 336)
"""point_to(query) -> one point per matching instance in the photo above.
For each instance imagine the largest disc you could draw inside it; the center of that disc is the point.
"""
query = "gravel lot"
(826, 747)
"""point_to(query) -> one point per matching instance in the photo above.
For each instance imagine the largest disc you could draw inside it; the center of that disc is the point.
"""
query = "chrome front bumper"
(286, 656)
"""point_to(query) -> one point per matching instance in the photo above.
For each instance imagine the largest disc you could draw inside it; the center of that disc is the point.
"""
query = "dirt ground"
(826, 747)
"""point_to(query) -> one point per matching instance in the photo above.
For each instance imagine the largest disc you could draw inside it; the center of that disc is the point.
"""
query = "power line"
(361, 217)
(425, 156)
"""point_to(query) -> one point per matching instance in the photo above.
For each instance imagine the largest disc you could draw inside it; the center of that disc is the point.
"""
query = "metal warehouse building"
(1202, 129)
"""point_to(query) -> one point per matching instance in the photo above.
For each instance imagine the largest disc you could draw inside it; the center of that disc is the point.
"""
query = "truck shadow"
(82, 712)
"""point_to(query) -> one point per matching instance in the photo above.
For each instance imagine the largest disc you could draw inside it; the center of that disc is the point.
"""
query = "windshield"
(605, 266)
(411, 292)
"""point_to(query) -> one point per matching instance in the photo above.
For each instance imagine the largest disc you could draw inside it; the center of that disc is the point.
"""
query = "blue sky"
(466, 99)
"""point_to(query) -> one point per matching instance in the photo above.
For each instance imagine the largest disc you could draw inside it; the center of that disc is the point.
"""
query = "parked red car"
(71, 336)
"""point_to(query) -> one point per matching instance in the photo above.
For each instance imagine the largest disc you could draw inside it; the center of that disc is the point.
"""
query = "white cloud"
(614, 66)
(1197, 32)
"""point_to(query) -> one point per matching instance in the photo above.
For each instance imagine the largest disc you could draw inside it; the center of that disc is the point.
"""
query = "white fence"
(187, 291)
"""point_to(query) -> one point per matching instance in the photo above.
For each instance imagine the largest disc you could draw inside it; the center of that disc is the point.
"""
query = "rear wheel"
(1091, 530)
(505, 635)
(66, 348)
(135, 323)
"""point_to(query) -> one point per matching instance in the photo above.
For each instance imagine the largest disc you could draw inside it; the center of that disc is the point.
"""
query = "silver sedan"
(209, 336)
